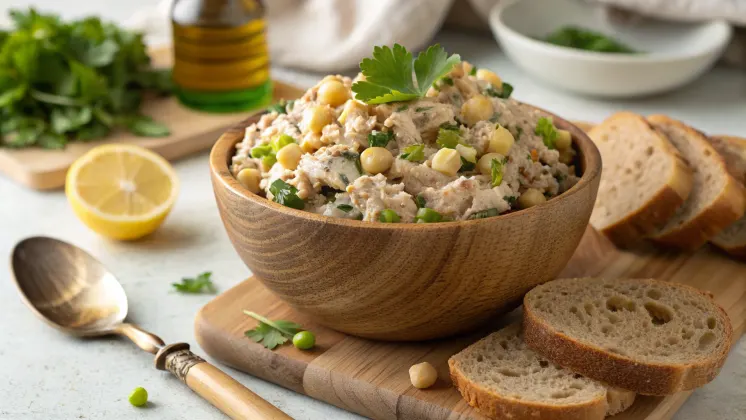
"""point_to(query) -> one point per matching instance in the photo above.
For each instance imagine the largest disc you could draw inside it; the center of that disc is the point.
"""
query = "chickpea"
(489, 77)
(249, 178)
(501, 141)
(478, 108)
(423, 375)
(311, 143)
(333, 93)
(564, 140)
(375, 160)
(531, 197)
(289, 156)
(315, 118)
(484, 165)
(447, 161)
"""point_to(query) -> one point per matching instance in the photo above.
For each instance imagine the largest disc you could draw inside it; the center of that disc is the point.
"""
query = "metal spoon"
(73, 292)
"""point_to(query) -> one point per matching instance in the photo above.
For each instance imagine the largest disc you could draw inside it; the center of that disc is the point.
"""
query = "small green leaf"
(11, 96)
(286, 194)
(379, 138)
(414, 153)
(51, 140)
(146, 127)
(345, 208)
(496, 169)
(92, 132)
(68, 119)
(200, 284)
(545, 128)
(484, 214)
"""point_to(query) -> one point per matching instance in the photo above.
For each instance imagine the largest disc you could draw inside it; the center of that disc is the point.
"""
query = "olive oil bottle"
(221, 58)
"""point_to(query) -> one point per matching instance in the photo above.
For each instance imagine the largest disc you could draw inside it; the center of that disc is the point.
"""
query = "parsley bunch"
(63, 81)
(389, 78)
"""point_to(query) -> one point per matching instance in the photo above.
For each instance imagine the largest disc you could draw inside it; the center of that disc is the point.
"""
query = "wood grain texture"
(371, 377)
(191, 132)
(389, 281)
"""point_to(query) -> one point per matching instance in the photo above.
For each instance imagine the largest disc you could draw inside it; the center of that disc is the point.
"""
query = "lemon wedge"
(121, 191)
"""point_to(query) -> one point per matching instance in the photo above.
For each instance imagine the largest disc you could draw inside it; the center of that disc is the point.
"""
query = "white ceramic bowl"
(675, 53)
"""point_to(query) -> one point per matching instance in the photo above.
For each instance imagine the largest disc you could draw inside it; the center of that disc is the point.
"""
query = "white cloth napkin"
(333, 35)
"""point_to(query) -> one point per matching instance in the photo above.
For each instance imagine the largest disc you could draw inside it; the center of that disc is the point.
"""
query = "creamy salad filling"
(463, 151)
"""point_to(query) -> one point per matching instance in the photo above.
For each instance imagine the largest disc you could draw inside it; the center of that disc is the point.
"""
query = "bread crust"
(621, 371)
(726, 209)
(496, 407)
(644, 220)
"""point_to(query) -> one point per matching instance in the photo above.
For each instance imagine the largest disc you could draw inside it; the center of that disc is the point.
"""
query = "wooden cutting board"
(191, 132)
(371, 378)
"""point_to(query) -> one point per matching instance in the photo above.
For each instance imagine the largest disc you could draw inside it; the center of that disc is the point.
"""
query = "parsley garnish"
(414, 153)
(545, 128)
(423, 108)
(199, 284)
(466, 166)
(484, 214)
(420, 201)
(584, 39)
(353, 157)
(389, 73)
(495, 117)
(473, 71)
(379, 138)
(504, 92)
(281, 107)
(286, 194)
(448, 138)
(402, 108)
(448, 81)
(518, 133)
(449, 126)
(511, 199)
(269, 333)
(345, 208)
(497, 172)
(344, 179)
(330, 193)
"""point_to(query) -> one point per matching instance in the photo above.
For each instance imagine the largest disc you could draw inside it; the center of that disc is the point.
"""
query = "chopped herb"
(330, 193)
(449, 126)
(545, 128)
(473, 71)
(511, 199)
(344, 179)
(286, 194)
(281, 141)
(358, 216)
(345, 208)
(497, 172)
(504, 93)
(261, 151)
(436, 87)
(484, 214)
(379, 138)
(518, 132)
(495, 117)
(448, 138)
(402, 108)
(199, 284)
(271, 333)
(280, 107)
(584, 39)
(427, 215)
(388, 216)
(354, 157)
(448, 81)
(466, 166)
(414, 153)
(388, 74)
(419, 201)
(456, 98)
(269, 160)
(422, 108)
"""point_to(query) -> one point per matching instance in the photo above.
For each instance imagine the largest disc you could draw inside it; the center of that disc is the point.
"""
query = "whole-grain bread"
(644, 335)
(717, 199)
(643, 182)
(501, 377)
(733, 149)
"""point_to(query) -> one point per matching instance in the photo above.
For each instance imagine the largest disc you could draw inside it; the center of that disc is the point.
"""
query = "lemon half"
(121, 191)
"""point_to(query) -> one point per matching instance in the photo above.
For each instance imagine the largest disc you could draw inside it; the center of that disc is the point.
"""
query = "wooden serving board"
(371, 378)
(191, 132)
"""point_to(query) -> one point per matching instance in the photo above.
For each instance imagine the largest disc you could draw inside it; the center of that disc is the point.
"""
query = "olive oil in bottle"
(221, 58)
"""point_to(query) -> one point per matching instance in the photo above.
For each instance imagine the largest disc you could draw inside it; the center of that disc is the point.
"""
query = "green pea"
(281, 142)
(427, 215)
(261, 151)
(139, 397)
(389, 216)
(304, 340)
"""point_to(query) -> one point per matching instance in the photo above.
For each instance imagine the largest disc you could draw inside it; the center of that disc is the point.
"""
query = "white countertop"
(44, 374)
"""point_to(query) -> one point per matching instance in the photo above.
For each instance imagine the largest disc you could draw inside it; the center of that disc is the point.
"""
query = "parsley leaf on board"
(271, 333)
(286, 194)
(379, 138)
(545, 128)
(200, 284)
(389, 78)
(64, 81)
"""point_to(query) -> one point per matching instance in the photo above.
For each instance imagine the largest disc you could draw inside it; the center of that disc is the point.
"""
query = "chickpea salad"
(422, 140)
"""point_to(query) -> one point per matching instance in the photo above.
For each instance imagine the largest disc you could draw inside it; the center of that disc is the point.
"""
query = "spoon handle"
(214, 385)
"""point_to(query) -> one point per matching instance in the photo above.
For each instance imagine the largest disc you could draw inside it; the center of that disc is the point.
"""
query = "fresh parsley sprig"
(388, 74)
(270, 333)
(200, 284)
(545, 128)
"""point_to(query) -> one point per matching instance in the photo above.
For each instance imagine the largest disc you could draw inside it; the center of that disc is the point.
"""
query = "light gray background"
(45, 375)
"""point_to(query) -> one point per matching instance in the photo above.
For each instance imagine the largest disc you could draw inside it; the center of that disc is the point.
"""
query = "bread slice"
(643, 182)
(503, 378)
(648, 336)
(733, 149)
(717, 199)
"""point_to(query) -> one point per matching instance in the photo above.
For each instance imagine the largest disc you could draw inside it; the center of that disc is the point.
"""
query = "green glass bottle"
(221, 58)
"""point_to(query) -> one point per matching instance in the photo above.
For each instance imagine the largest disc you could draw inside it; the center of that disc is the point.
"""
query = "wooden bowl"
(403, 281)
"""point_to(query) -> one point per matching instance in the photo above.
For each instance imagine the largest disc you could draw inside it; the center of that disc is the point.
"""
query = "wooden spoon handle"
(214, 385)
